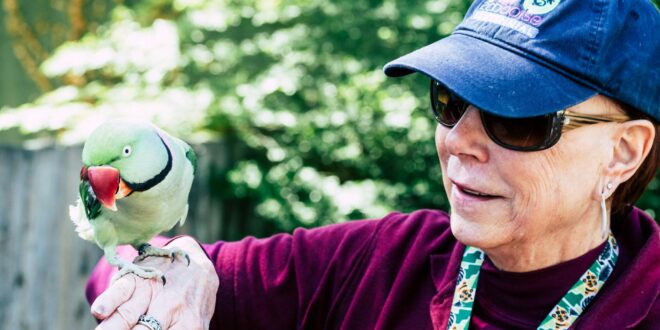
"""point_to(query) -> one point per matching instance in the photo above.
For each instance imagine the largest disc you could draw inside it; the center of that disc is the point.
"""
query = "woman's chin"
(478, 232)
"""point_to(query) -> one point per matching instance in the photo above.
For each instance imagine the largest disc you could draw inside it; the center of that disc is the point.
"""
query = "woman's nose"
(468, 138)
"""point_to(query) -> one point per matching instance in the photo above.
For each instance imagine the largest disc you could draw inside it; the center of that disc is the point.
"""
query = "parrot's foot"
(141, 271)
(147, 250)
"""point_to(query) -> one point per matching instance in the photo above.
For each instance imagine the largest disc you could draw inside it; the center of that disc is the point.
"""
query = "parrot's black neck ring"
(144, 186)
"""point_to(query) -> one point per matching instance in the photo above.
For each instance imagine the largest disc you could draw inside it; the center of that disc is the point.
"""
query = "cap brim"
(492, 78)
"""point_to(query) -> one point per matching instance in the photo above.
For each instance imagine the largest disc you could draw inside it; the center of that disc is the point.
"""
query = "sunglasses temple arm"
(574, 121)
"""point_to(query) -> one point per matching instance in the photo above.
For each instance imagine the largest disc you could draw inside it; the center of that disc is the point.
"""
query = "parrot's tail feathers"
(79, 218)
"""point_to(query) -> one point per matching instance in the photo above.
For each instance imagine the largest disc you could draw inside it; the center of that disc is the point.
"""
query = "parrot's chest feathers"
(148, 213)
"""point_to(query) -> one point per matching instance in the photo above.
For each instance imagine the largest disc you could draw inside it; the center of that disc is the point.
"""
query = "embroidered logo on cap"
(524, 18)
(540, 7)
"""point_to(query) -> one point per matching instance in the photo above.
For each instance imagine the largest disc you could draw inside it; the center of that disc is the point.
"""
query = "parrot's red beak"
(105, 183)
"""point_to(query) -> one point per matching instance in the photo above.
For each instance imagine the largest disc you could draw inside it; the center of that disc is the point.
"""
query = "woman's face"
(530, 193)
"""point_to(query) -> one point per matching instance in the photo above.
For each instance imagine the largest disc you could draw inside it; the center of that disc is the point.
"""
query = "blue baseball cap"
(523, 58)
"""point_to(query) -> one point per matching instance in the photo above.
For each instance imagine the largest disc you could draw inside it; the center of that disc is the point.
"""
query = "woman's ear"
(632, 143)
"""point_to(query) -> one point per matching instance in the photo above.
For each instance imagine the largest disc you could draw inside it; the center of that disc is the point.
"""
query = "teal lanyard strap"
(561, 316)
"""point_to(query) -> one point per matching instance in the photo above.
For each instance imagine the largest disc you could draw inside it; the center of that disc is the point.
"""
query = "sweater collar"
(637, 271)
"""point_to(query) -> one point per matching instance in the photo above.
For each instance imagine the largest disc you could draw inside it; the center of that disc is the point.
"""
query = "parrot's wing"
(192, 158)
(183, 217)
(189, 152)
(79, 218)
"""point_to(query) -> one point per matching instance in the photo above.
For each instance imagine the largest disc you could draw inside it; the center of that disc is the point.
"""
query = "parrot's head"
(120, 157)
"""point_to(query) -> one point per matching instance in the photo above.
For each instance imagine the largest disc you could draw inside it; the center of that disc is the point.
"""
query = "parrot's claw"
(141, 271)
(146, 250)
(180, 254)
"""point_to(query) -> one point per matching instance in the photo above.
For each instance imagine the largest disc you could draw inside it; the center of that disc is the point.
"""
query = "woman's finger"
(162, 314)
(127, 314)
(161, 321)
(118, 293)
(142, 327)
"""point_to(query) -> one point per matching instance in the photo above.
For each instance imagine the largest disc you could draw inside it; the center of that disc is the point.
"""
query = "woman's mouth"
(474, 192)
(465, 193)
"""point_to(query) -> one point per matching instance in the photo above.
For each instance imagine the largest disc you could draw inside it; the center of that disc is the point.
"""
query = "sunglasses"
(520, 134)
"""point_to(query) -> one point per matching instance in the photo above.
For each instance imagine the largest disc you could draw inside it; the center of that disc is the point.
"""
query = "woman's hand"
(187, 301)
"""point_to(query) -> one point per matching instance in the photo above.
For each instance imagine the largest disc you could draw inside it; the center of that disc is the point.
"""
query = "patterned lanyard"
(561, 316)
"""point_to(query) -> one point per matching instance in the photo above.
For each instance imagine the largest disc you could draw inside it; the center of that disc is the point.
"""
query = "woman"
(548, 113)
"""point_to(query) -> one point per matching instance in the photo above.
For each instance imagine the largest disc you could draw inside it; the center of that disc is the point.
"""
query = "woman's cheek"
(443, 155)
(536, 197)
(440, 146)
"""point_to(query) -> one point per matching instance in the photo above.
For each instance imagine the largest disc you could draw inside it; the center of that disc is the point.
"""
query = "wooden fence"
(44, 264)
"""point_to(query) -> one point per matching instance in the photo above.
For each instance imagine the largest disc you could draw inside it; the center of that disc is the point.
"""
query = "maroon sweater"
(399, 273)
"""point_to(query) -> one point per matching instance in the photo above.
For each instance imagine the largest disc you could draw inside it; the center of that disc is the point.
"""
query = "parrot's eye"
(127, 151)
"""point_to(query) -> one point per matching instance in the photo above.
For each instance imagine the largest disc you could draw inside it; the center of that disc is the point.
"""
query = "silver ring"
(150, 322)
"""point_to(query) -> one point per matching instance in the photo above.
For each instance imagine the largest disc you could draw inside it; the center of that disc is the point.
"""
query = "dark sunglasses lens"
(447, 108)
(530, 133)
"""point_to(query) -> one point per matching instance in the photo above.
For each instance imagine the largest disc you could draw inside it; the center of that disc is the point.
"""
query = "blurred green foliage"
(301, 84)
(325, 136)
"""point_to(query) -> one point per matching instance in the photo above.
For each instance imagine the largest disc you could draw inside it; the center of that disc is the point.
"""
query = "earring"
(603, 209)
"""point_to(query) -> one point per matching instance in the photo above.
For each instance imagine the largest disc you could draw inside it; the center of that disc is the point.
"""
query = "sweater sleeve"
(277, 282)
(652, 320)
(287, 280)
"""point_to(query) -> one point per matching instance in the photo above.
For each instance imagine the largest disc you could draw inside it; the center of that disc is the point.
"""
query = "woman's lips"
(467, 193)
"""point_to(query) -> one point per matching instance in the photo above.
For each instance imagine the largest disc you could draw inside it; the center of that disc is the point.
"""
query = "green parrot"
(135, 182)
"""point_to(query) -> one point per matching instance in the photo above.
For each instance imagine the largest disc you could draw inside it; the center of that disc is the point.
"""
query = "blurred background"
(285, 103)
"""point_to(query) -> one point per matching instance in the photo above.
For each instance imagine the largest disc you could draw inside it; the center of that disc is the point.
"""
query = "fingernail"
(98, 310)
